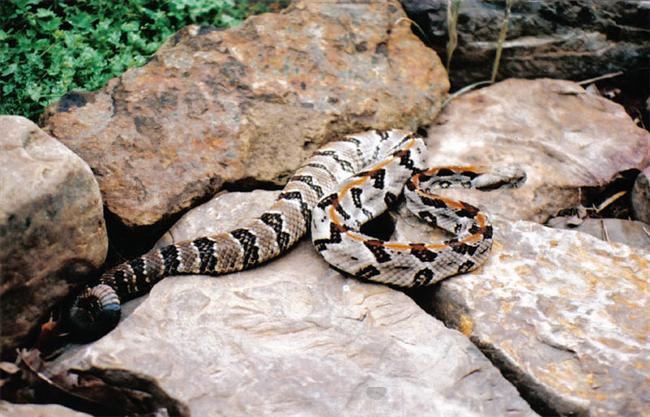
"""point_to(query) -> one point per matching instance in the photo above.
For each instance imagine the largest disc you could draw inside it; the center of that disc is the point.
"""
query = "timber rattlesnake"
(341, 186)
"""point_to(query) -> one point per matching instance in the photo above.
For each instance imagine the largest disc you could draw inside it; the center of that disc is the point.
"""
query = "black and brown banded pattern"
(287, 221)
(341, 186)
(340, 240)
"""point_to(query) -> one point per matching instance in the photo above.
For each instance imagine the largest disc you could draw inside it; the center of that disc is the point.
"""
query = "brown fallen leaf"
(101, 392)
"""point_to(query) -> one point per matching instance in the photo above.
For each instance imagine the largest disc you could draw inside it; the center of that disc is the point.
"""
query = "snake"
(343, 185)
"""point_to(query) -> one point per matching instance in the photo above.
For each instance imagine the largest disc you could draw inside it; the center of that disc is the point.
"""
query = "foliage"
(49, 47)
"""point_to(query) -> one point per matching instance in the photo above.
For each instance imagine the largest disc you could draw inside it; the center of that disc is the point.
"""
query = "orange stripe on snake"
(340, 187)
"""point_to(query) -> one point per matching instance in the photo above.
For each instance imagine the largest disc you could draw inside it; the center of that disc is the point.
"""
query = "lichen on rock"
(213, 107)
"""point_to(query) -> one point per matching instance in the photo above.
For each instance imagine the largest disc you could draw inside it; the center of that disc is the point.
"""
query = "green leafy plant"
(49, 47)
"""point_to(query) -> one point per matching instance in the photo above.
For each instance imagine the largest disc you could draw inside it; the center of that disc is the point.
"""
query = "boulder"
(563, 314)
(295, 338)
(567, 39)
(51, 226)
(566, 140)
(215, 107)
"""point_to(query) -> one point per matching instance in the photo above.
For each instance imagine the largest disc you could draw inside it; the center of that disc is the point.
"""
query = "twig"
(602, 224)
(609, 201)
(645, 231)
(413, 22)
(464, 90)
(600, 77)
(452, 19)
(502, 38)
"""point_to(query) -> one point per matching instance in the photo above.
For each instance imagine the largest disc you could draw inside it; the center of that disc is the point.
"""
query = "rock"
(215, 107)
(51, 225)
(562, 313)
(629, 232)
(567, 39)
(641, 196)
(563, 137)
(37, 410)
(294, 338)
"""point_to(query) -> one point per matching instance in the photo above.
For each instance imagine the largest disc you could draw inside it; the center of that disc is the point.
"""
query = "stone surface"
(563, 137)
(295, 338)
(563, 314)
(629, 232)
(640, 197)
(567, 39)
(8, 409)
(249, 102)
(51, 225)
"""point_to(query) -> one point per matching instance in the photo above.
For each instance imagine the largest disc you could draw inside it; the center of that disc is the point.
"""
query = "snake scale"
(340, 187)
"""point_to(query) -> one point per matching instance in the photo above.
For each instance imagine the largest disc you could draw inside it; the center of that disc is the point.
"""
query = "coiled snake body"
(340, 187)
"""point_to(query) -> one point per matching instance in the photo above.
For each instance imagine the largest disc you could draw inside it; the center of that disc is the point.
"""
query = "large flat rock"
(249, 102)
(562, 313)
(567, 141)
(295, 338)
(51, 225)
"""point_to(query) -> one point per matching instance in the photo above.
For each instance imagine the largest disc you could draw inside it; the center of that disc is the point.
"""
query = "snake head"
(94, 312)
(500, 177)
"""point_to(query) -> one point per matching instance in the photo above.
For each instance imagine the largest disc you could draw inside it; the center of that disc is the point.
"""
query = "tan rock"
(564, 138)
(564, 314)
(51, 225)
(250, 102)
(295, 338)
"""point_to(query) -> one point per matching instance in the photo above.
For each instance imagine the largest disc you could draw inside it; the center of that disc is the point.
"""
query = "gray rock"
(629, 232)
(295, 338)
(567, 39)
(641, 196)
(51, 225)
(563, 314)
(37, 410)
(563, 137)
(249, 102)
